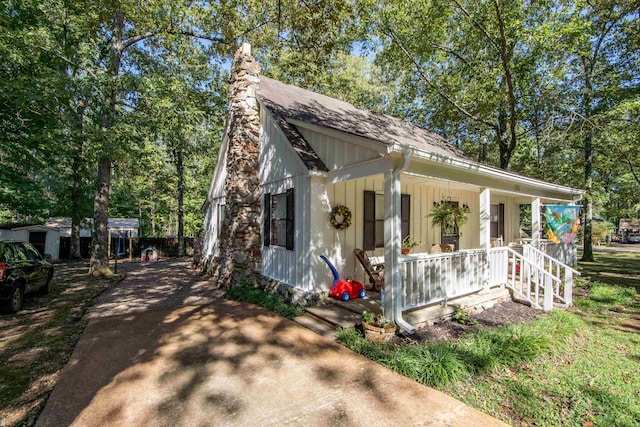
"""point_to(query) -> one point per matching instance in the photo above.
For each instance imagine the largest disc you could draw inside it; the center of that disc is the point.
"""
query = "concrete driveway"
(229, 363)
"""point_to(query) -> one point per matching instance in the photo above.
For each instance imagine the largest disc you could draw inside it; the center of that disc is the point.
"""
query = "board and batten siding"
(212, 221)
(215, 204)
(341, 243)
(336, 153)
(277, 158)
(281, 169)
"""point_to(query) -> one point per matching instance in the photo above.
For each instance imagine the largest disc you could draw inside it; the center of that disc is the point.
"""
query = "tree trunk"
(153, 218)
(505, 52)
(76, 209)
(76, 187)
(482, 157)
(99, 264)
(502, 138)
(587, 254)
(180, 171)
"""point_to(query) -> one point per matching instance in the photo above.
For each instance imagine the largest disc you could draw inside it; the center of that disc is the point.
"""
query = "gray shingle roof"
(87, 223)
(301, 104)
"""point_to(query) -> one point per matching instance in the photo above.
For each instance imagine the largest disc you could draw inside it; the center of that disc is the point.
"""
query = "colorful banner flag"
(562, 223)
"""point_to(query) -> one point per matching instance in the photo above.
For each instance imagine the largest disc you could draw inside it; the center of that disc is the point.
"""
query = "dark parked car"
(22, 270)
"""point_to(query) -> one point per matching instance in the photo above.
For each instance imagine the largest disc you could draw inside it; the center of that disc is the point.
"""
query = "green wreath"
(340, 217)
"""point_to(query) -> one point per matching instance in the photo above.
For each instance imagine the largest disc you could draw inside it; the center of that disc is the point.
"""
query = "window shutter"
(369, 236)
(501, 220)
(266, 220)
(405, 214)
(290, 219)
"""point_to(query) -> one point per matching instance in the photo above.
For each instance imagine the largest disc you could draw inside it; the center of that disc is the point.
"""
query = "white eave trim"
(36, 227)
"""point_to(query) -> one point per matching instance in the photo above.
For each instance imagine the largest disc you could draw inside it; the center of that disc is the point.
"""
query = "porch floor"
(328, 318)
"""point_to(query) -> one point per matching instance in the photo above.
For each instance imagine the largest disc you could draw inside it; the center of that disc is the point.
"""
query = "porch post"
(392, 242)
(535, 223)
(485, 234)
(317, 208)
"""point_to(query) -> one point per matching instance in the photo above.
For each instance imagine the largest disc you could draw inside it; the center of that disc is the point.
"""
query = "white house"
(46, 239)
(49, 238)
(118, 227)
(317, 152)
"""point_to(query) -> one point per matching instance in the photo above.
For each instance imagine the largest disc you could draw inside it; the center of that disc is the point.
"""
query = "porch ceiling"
(482, 176)
(455, 174)
(410, 178)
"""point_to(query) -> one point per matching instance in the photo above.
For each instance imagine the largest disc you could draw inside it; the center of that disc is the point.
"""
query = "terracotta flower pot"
(378, 333)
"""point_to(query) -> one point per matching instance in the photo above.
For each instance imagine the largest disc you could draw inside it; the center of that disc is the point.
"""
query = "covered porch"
(483, 259)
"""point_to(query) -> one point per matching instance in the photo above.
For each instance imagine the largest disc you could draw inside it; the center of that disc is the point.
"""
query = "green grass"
(257, 296)
(571, 367)
(37, 342)
(603, 297)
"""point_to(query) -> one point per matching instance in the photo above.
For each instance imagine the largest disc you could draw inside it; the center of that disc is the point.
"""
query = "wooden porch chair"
(374, 271)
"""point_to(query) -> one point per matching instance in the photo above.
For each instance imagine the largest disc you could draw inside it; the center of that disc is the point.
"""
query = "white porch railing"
(430, 279)
(533, 275)
(563, 291)
(499, 266)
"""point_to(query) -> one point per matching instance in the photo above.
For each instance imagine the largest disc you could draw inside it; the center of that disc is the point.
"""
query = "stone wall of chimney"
(240, 242)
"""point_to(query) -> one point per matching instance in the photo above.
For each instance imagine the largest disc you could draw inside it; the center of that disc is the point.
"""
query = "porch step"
(517, 297)
(318, 326)
(335, 315)
(521, 299)
(371, 304)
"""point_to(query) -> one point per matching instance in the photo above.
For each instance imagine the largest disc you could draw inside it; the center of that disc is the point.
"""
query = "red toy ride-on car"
(344, 289)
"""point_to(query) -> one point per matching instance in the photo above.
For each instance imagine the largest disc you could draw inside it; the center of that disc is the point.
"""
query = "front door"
(450, 234)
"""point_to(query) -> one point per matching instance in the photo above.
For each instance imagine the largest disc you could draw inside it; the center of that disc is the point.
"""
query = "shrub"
(257, 296)
(439, 364)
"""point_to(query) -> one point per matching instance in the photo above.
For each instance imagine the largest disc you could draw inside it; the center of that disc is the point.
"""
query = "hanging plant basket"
(340, 217)
(445, 214)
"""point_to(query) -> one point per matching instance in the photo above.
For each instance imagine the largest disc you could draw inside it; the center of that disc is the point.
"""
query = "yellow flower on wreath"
(340, 212)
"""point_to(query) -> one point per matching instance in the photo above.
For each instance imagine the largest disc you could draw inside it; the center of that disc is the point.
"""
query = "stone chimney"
(240, 243)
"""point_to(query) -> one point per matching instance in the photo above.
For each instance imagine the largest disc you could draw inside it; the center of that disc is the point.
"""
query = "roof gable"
(300, 145)
(290, 104)
(293, 102)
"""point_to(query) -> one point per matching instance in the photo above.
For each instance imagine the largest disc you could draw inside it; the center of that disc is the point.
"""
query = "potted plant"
(377, 328)
(447, 215)
(408, 244)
